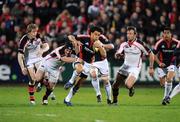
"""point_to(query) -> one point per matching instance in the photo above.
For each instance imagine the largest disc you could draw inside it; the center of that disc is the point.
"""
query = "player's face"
(131, 35)
(167, 35)
(95, 35)
(68, 52)
(33, 32)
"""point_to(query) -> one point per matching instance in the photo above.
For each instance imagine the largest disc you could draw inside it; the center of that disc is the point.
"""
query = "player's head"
(131, 33)
(68, 49)
(32, 30)
(95, 32)
(167, 35)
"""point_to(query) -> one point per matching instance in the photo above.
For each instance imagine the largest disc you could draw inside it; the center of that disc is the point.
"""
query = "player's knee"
(79, 68)
(37, 78)
(94, 73)
(105, 80)
(128, 85)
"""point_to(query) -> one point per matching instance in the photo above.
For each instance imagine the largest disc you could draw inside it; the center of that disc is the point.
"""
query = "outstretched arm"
(151, 63)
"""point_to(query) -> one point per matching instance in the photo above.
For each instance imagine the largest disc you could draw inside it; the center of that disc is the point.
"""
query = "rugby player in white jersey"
(132, 50)
(51, 65)
(31, 48)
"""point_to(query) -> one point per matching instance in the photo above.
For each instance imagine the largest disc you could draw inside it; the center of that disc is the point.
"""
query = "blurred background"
(57, 18)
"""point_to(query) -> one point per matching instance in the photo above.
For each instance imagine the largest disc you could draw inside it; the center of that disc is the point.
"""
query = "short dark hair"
(167, 28)
(132, 28)
(96, 28)
(69, 45)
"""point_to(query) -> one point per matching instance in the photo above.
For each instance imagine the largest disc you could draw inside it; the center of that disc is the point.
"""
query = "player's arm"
(44, 47)
(21, 63)
(119, 53)
(149, 52)
(161, 64)
(106, 43)
(20, 56)
(76, 43)
(70, 59)
(101, 48)
(151, 59)
(151, 63)
(20, 60)
(108, 46)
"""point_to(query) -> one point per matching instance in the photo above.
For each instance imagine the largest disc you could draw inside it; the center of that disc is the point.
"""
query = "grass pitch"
(144, 106)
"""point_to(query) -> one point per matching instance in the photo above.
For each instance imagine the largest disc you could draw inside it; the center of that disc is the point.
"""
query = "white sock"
(52, 94)
(175, 91)
(70, 95)
(108, 90)
(95, 84)
(168, 88)
(73, 77)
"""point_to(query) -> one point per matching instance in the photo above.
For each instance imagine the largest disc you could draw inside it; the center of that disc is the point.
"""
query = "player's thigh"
(170, 76)
(105, 79)
(171, 73)
(78, 67)
(119, 78)
(133, 76)
(31, 73)
(40, 74)
(51, 85)
(162, 80)
(93, 72)
(131, 79)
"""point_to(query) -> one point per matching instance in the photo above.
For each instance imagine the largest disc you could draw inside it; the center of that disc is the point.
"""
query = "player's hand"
(118, 55)
(98, 44)
(79, 60)
(40, 52)
(24, 71)
(151, 71)
(162, 65)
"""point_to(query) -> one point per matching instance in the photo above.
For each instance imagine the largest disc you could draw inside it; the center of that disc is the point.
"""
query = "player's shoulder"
(84, 36)
(24, 38)
(140, 42)
(159, 41)
(175, 40)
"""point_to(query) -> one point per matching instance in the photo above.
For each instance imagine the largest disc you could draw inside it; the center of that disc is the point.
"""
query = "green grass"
(143, 107)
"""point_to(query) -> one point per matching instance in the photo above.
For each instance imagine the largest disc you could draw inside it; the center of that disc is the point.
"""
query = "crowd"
(56, 18)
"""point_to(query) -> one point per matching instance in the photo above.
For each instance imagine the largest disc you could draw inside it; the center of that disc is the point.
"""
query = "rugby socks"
(70, 95)
(108, 90)
(168, 88)
(73, 77)
(31, 89)
(175, 91)
(48, 92)
(115, 95)
(95, 84)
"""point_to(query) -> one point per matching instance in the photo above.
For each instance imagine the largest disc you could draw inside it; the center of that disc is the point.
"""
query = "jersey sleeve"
(156, 48)
(22, 44)
(81, 38)
(121, 48)
(146, 50)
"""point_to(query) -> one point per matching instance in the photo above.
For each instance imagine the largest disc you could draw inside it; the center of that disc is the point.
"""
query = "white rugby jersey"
(52, 60)
(30, 48)
(133, 52)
